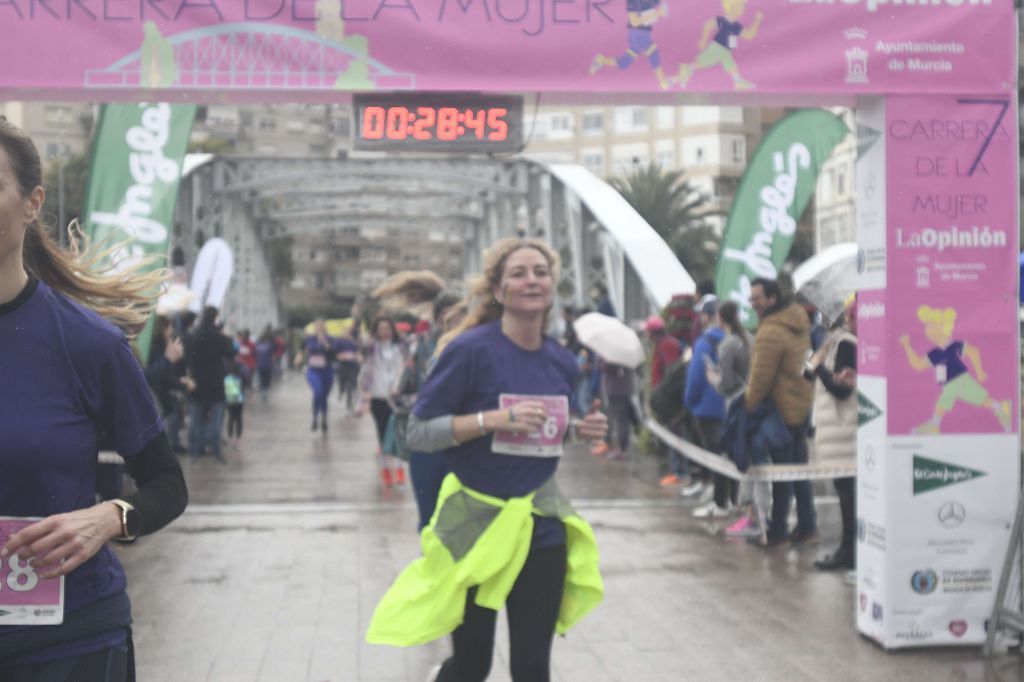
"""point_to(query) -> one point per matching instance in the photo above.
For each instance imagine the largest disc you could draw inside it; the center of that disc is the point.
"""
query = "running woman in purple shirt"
(71, 386)
(643, 14)
(501, 348)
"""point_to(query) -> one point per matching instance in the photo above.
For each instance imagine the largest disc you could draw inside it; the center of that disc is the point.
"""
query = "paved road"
(275, 569)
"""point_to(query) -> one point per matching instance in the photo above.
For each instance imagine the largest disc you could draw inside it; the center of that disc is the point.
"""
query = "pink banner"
(952, 350)
(307, 49)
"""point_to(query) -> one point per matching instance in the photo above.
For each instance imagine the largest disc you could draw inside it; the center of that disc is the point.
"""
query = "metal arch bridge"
(252, 201)
(254, 55)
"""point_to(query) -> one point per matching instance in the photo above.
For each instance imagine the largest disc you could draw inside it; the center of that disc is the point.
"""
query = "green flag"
(771, 197)
(133, 182)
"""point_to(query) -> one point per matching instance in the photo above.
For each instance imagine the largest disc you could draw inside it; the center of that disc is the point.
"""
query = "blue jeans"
(205, 423)
(782, 493)
(427, 471)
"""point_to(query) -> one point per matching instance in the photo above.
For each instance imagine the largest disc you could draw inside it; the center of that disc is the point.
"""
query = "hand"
(174, 351)
(189, 383)
(713, 375)
(905, 340)
(847, 377)
(525, 417)
(759, 17)
(982, 376)
(594, 426)
(61, 543)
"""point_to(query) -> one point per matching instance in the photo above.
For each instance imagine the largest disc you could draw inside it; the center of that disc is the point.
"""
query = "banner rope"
(773, 473)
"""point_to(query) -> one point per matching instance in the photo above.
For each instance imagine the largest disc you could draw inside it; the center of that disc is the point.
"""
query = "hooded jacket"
(699, 396)
(777, 362)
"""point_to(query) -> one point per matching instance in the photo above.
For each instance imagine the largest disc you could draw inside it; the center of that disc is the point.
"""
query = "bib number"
(25, 597)
(317, 361)
(546, 441)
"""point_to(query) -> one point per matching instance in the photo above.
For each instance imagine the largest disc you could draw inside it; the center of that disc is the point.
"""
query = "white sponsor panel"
(953, 499)
(872, 540)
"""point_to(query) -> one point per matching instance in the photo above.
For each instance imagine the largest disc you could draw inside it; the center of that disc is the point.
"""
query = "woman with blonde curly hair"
(496, 405)
(70, 383)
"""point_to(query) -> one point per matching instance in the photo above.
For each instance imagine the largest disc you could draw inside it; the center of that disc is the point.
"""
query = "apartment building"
(835, 197)
(712, 144)
(336, 268)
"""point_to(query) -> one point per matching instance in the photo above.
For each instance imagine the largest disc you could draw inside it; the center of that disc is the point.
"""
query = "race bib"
(26, 598)
(317, 362)
(940, 373)
(733, 42)
(546, 441)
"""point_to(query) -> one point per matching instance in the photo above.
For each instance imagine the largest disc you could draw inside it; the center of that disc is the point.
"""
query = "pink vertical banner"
(952, 312)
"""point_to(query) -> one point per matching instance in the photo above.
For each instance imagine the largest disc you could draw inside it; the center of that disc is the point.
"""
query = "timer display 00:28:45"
(429, 123)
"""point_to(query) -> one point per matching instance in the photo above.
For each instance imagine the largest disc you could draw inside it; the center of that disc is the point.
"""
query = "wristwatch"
(131, 521)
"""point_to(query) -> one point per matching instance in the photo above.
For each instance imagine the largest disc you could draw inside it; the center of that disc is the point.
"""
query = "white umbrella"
(828, 278)
(612, 340)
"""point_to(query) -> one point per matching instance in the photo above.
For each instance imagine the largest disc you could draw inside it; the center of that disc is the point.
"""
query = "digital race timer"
(424, 122)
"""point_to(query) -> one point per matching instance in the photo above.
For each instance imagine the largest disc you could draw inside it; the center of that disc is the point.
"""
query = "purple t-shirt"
(70, 381)
(319, 356)
(474, 369)
(265, 354)
(952, 357)
(728, 32)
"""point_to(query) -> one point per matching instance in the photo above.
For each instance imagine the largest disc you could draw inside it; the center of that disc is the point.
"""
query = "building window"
(593, 123)
(594, 162)
(841, 181)
(739, 150)
(561, 122)
(666, 158)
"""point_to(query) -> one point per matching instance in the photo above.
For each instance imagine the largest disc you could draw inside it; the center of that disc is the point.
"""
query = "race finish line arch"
(934, 82)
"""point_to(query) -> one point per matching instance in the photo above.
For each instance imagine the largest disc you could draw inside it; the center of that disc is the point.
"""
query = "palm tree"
(673, 207)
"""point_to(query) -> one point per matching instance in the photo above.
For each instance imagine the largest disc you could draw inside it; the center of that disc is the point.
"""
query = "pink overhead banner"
(217, 49)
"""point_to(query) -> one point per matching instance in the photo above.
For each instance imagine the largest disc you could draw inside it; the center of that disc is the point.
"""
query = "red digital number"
(477, 121)
(398, 123)
(447, 124)
(425, 118)
(373, 123)
(497, 124)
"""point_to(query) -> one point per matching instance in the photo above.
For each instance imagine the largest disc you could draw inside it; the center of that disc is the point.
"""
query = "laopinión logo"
(924, 582)
(930, 474)
(952, 514)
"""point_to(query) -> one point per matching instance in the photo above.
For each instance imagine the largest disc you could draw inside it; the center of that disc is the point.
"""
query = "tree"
(672, 206)
(76, 180)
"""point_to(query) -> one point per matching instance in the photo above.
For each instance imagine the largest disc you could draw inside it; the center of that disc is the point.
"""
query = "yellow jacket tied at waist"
(479, 540)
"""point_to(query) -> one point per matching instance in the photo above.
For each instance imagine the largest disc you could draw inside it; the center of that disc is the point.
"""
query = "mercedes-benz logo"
(952, 514)
(869, 459)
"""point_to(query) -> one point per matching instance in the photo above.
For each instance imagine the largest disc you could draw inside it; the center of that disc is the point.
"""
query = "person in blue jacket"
(708, 407)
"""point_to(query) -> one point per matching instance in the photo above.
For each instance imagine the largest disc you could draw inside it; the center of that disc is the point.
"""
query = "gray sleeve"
(430, 435)
(729, 361)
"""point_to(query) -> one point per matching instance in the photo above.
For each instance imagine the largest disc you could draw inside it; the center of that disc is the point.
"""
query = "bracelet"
(480, 423)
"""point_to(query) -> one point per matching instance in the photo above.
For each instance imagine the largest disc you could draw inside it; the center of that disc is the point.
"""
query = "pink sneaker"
(739, 526)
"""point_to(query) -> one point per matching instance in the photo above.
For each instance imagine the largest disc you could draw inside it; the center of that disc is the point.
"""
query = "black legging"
(532, 606)
(381, 411)
(847, 489)
(115, 664)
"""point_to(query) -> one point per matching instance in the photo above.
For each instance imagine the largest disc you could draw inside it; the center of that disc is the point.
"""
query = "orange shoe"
(599, 449)
(400, 476)
(669, 480)
(385, 477)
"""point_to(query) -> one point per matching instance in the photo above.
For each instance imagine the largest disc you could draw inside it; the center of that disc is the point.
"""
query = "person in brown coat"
(782, 344)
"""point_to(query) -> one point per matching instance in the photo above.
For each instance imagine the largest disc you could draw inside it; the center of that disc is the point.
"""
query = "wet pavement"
(273, 573)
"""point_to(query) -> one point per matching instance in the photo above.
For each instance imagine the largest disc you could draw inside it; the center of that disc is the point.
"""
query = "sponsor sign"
(303, 50)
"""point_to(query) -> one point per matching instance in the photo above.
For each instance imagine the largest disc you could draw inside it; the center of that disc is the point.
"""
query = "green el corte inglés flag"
(133, 182)
(771, 197)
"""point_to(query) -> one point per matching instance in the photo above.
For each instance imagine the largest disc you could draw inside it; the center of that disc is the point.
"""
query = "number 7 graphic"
(1003, 105)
